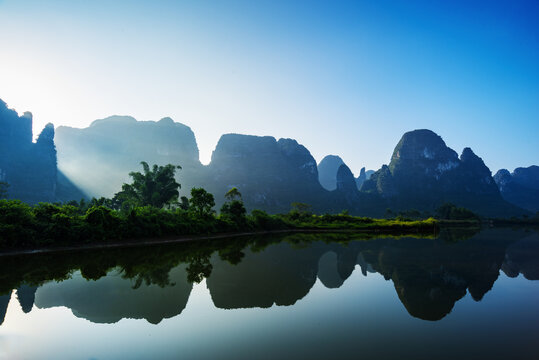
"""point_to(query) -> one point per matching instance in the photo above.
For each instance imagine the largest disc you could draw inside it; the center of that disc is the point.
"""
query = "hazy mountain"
(99, 158)
(424, 173)
(520, 188)
(327, 171)
(347, 189)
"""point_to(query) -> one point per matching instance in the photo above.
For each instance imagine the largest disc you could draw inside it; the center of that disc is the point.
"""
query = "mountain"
(520, 188)
(270, 174)
(363, 176)
(327, 171)
(99, 158)
(347, 193)
(424, 173)
(29, 168)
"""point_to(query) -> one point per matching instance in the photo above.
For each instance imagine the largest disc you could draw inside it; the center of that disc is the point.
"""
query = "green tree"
(201, 202)
(3, 189)
(155, 187)
(301, 208)
(233, 208)
(451, 212)
(184, 203)
(233, 194)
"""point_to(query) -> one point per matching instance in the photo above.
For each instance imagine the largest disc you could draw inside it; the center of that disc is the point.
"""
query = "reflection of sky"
(344, 77)
(362, 317)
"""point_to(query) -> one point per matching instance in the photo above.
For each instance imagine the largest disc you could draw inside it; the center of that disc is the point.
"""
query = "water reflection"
(113, 297)
(429, 275)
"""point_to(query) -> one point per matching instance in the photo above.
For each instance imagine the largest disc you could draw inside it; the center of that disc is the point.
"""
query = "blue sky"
(344, 78)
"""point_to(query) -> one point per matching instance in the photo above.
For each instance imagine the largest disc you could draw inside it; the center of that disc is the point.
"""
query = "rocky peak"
(46, 137)
(422, 152)
(363, 176)
(424, 173)
(263, 154)
(468, 156)
(345, 179)
(502, 178)
(528, 177)
(422, 144)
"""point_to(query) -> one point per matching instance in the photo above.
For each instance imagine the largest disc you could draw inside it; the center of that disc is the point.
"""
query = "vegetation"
(149, 208)
(155, 187)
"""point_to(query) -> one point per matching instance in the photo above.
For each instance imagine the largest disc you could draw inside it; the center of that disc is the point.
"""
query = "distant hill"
(327, 171)
(520, 188)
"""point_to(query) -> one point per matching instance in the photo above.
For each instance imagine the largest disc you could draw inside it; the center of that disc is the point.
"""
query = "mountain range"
(422, 174)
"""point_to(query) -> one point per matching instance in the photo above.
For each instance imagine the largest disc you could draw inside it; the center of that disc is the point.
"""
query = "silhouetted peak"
(292, 147)
(345, 179)
(238, 145)
(422, 144)
(469, 156)
(47, 135)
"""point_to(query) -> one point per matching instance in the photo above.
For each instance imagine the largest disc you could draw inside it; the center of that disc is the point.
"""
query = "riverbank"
(44, 226)
(360, 233)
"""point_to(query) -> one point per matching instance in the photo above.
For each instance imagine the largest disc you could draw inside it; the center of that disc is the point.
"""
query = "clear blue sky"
(345, 78)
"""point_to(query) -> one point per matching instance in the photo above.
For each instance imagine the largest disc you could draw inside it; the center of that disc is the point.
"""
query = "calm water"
(462, 295)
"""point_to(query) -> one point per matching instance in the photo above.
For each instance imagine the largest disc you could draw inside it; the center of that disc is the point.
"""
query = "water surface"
(461, 295)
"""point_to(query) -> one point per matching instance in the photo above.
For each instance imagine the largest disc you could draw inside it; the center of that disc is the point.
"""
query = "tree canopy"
(201, 202)
(155, 187)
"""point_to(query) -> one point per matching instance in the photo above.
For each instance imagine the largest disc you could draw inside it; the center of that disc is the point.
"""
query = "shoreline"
(193, 238)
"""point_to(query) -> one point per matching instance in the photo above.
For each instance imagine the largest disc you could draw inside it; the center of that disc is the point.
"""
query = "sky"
(342, 78)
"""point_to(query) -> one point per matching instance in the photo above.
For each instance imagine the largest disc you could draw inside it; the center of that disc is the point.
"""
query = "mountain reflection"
(429, 275)
(113, 298)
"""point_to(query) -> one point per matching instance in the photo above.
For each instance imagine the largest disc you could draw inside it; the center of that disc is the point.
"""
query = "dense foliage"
(155, 187)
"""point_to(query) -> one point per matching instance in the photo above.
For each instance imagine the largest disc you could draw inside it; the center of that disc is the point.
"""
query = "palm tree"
(156, 187)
